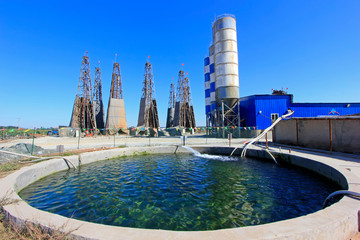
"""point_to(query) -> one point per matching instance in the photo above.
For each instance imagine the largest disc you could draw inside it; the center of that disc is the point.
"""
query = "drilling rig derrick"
(171, 108)
(148, 114)
(116, 118)
(83, 114)
(97, 100)
(184, 111)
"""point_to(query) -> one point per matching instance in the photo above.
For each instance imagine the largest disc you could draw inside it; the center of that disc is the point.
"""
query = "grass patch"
(10, 166)
(29, 231)
(144, 153)
(66, 154)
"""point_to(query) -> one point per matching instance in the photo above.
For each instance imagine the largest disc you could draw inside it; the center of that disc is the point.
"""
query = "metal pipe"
(243, 153)
(23, 155)
(239, 117)
(67, 161)
(222, 117)
(341, 192)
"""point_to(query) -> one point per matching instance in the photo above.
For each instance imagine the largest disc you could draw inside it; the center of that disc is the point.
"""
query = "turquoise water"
(180, 192)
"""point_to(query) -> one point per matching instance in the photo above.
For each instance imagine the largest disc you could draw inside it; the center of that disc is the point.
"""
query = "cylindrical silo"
(226, 60)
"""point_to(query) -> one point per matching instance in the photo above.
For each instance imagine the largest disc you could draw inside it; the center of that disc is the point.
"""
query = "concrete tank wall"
(338, 134)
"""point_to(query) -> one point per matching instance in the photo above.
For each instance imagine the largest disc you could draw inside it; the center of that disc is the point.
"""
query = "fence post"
(79, 139)
(330, 136)
(32, 145)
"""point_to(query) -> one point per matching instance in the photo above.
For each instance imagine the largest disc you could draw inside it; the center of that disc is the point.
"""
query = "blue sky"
(311, 47)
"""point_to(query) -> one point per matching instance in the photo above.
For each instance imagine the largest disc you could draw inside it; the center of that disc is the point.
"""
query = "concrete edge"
(339, 221)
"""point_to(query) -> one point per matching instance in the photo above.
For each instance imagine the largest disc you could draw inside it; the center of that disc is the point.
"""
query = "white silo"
(226, 60)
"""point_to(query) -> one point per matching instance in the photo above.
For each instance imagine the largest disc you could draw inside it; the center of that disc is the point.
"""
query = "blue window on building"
(212, 87)
(212, 68)
(207, 109)
(206, 61)
(207, 93)
(207, 77)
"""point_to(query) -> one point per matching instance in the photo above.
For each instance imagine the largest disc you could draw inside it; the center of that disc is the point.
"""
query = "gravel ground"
(44, 145)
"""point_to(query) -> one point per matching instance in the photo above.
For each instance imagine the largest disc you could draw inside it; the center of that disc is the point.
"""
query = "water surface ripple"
(180, 192)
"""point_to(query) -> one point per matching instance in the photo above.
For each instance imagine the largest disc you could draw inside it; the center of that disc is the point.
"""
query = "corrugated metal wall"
(324, 109)
(257, 109)
(269, 104)
(247, 111)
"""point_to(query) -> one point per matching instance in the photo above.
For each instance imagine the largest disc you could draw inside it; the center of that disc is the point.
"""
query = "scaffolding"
(225, 117)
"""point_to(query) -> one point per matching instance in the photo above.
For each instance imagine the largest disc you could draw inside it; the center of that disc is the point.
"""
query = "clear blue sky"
(311, 47)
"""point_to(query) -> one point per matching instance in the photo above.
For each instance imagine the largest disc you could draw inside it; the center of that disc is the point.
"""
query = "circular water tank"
(226, 61)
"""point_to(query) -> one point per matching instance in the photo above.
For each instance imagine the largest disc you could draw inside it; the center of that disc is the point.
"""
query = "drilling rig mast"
(148, 114)
(116, 118)
(83, 115)
(97, 100)
(171, 108)
(184, 111)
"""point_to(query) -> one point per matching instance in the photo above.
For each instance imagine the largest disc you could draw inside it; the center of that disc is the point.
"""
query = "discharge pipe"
(341, 192)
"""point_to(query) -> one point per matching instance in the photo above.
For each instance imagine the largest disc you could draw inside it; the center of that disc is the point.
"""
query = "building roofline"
(291, 96)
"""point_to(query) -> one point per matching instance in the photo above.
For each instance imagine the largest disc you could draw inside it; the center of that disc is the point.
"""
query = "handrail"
(341, 192)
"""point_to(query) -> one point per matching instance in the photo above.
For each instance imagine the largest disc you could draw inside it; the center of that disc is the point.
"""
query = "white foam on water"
(207, 156)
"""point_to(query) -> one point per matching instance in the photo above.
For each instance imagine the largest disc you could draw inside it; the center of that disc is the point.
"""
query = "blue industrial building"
(260, 110)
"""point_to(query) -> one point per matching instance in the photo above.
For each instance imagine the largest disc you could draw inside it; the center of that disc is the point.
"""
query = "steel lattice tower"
(97, 100)
(148, 114)
(171, 108)
(172, 97)
(116, 118)
(83, 115)
(116, 84)
(184, 111)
